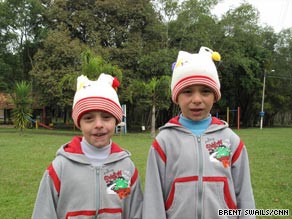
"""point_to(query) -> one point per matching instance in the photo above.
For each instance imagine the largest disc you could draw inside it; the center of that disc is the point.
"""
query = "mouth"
(196, 110)
(99, 134)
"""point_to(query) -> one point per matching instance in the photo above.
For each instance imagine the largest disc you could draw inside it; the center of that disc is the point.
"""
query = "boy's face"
(98, 127)
(196, 101)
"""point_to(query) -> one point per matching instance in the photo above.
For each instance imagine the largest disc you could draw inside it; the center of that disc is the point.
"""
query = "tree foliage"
(59, 56)
(49, 43)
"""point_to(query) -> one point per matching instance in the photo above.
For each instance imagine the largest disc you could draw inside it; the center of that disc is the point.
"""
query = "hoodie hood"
(73, 151)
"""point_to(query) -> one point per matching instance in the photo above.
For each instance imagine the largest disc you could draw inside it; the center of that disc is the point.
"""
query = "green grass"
(23, 160)
(270, 155)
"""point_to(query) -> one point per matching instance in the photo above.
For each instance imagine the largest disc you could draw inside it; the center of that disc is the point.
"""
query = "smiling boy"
(91, 176)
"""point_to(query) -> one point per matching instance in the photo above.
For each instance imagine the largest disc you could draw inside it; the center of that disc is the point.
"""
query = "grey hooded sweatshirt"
(73, 188)
(194, 177)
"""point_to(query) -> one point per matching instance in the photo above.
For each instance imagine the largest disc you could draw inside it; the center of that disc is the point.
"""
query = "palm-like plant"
(22, 100)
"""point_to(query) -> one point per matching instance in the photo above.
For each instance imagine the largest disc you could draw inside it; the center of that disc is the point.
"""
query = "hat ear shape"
(205, 51)
(81, 81)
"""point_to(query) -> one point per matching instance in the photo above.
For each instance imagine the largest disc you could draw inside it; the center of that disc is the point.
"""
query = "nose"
(196, 97)
(98, 122)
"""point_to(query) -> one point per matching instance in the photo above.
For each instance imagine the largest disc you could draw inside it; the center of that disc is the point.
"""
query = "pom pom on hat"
(216, 56)
(96, 95)
(198, 68)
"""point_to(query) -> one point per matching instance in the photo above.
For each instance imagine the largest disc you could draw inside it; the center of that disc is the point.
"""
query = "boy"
(197, 166)
(91, 176)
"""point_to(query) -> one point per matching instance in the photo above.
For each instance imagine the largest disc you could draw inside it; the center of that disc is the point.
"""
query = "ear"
(81, 81)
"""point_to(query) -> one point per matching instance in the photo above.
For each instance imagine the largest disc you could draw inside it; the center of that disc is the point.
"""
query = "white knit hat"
(199, 68)
(96, 95)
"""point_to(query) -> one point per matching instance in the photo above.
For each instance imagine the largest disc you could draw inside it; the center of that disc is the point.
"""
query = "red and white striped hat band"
(96, 103)
(195, 79)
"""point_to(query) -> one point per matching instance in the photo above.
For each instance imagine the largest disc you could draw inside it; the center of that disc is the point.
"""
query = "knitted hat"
(96, 95)
(199, 68)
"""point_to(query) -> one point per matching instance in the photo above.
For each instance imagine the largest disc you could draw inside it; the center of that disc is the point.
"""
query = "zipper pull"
(199, 139)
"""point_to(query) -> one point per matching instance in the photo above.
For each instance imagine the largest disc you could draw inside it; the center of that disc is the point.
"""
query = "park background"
(45, 45)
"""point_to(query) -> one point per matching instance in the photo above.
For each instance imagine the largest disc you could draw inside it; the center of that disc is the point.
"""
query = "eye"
(207, 90)
(186, 91)
(87, 117)
(106, 116)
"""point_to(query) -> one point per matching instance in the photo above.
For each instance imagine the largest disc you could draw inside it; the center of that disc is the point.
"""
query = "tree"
(114, 30)
(92, 66)
(59, 56)
(279, 79)
(142, 38)
(23, 108)
(21, 28)
(153, 96)
(194, 26)
(243, 61)
(159, 94)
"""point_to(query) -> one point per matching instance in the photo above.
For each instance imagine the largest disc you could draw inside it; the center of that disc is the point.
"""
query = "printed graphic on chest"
(219, 151)
(118, 182)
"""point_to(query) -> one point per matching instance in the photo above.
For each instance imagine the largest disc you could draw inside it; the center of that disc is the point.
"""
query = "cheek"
(84, 129)
(181, 100)
(211, 102)
(112, 124)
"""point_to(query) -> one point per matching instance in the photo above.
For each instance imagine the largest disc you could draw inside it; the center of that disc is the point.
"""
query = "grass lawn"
(23, 160)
